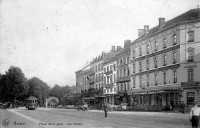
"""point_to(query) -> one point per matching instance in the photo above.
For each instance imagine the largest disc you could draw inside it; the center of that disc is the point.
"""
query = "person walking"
(194, 115)
(105, 109)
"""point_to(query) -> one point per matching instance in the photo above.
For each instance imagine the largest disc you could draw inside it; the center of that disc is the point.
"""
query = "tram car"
(31, 103)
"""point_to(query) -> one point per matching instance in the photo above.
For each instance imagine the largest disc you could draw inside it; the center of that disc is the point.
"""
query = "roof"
(110, 56)
(190, 16)
(32, 98)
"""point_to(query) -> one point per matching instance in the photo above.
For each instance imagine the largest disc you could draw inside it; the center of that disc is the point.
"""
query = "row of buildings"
(159, 68)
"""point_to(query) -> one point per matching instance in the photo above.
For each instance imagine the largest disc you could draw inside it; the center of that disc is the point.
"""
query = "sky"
(52, 39)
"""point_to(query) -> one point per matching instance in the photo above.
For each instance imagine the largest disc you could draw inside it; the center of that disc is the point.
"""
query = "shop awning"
(155, 89)
(88, 98)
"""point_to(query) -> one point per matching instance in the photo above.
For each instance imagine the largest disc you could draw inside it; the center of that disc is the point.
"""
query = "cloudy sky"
(51, 39)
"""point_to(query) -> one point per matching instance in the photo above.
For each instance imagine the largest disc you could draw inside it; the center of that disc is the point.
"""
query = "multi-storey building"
(123, 73)
(97, 82)
(110, 76)
(165, 62)
(82, 81)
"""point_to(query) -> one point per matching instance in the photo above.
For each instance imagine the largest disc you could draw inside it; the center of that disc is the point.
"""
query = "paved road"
(62, 118)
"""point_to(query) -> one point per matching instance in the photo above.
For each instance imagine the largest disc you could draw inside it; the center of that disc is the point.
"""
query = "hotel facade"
(165, 63)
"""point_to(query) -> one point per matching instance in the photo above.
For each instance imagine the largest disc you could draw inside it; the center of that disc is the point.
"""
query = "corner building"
(165, 63)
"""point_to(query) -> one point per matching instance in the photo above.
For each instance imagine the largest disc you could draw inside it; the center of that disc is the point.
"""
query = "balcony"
(123, 79)
(109, 72)
(109, 85)
(91, 83)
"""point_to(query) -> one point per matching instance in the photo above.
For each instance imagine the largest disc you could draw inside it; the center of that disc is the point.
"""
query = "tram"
(31, 103)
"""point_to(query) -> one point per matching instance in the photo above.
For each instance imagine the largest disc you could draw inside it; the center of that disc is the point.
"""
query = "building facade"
(161, 74)
(123, 73)
(110, 76)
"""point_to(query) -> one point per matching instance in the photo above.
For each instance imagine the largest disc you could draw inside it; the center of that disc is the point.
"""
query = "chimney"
(161, 22)
(146, 29)
(118, 48)
(112, 48)
(103, 53)
(127, 43)
(140, 32)
(197, 6)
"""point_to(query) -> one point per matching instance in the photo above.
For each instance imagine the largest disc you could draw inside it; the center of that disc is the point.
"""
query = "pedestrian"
(194, 116)
(105, 109)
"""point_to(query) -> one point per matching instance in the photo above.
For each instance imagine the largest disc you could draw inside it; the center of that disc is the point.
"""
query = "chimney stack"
(146, 29)
(103, 54)
(127, 43)
(118, 48)
(112, 48)
(140, 32)
(161, 22)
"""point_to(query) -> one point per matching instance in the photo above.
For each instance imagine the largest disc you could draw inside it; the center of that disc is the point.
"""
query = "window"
(174, 57)
(133, 82)
(147, 80)
(140, 81)
(104, 80)
(115, 89)
(190, 75)
(147, 64)
(190, 36)
(121, 62)
(164, 43)
(107, 68)
(114, 78)
(111, 68)
(164, 60)
(156, 79)
(190, 51)
(155, 62)
(133, 67)
(127, 60)
(111, 80)
(175, 76)
(164, 77)
(147, 48)
(140, 63)
(140, 51)
(114, 67)
(128, 73)
(133, 54)
(98, 67)
(174, 39)
(125, 72)
(108, 80)
(104, 70)
(190, 98)
(156, 46)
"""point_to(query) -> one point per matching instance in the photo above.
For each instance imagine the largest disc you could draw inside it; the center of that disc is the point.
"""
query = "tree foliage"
(13, 84)
(39, 89)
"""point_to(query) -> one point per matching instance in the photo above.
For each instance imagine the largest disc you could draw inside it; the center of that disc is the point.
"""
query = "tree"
(39, 89)
(14, 83)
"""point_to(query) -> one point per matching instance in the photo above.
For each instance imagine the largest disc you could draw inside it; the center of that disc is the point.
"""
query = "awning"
(155, 89)
(88, 98)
